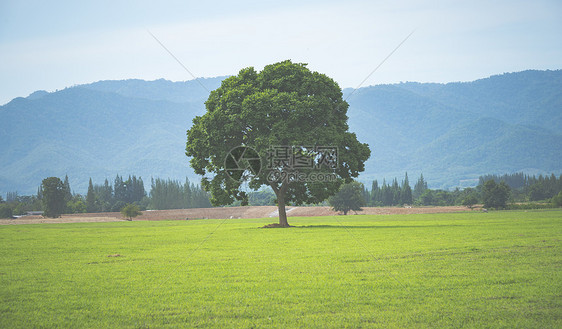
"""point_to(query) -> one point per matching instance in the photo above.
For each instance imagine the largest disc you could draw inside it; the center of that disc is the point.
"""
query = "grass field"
(473, 270)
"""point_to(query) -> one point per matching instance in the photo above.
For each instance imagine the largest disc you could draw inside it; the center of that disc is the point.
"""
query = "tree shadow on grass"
(368, 226)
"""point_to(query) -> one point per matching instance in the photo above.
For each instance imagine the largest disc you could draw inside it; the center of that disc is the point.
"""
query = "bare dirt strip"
(226, 212)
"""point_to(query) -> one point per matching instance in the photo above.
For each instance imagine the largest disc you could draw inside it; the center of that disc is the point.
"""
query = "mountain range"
(452, 133)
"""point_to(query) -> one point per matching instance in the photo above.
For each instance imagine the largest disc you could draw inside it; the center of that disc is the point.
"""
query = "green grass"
(472, 270)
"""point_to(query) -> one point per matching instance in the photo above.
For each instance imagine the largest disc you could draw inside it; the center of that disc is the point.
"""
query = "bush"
(130, 211)
(557, 200)
(5, 211)
(529, 206)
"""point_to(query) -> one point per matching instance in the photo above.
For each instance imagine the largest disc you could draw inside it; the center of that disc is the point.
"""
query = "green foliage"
(171, 194)
(76, 205)
(261, 198)
(349, 197)
(118, 205)
(529, 188)
(130, 210)
(20, 204)
(420, 187)
(53, 192)
(129, 191)
(470, 200)
(285, 104)
(438, 198)
(66, 190)
(557, 200)
(529, 206)
(103, 196)
(91, 205)
(406, 194)
(495, 195)
(460, 270)
(390, 195)
(5, 211)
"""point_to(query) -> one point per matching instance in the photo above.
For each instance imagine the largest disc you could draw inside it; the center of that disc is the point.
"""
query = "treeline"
(107, 197)
(521, 188)
(399, 194)
(393, 194)
(518, 188)
(112, 197)
(528, 188)
(172, 194)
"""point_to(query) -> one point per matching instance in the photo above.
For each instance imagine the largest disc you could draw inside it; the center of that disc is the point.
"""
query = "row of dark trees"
(107, 197)
(395, 193)
(514, 188)
(493, 191)
(496, 194)
(172, 194)
(55, 197)
(164, 194)
(528, 188)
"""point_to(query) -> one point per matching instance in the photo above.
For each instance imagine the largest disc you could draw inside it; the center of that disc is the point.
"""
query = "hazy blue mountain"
(178, 92)
(453, 133)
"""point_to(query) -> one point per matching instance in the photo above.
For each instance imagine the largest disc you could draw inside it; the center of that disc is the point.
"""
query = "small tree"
(469, 201)
(557, 200)
(53, 192)
(349, 197)
(5, 211)
(495, 195)
(130, 211)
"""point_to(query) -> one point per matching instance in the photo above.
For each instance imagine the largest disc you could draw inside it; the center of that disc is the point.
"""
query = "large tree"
(53, 192)
(287, 121)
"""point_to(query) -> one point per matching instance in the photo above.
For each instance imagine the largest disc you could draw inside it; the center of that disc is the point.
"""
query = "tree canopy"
(283, 113)
(349, 197)
(130, 211)
(54, 193)
(495, 195)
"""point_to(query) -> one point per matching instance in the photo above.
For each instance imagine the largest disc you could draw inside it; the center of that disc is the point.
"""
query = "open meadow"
(449, 270)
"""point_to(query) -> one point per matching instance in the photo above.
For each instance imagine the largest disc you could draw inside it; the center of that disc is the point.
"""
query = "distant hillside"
(453, 133)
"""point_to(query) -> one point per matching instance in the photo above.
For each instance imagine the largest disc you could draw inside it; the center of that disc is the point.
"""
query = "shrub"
(130, 211)
(557, 200)
(5, 211)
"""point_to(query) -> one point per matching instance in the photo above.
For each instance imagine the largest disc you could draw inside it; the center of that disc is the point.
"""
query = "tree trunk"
(280, 193)
(281, 209)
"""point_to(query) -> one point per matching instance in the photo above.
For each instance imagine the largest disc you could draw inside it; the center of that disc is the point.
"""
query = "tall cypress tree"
(66, 190)
(420, 187)
(375, 194)
(91, 198)
(406, 191)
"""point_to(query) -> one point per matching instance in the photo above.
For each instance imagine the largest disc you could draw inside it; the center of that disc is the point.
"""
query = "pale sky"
(50, 45)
